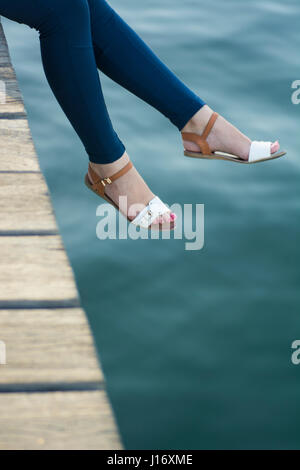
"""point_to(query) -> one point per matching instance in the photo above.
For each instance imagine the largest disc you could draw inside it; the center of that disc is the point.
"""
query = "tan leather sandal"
(146, 217)
(259, 151)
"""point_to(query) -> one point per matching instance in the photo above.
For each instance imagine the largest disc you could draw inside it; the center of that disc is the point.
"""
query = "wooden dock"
(52, 389)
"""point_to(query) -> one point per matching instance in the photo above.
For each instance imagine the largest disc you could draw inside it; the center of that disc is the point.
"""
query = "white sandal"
(259, 151)
(154, 209)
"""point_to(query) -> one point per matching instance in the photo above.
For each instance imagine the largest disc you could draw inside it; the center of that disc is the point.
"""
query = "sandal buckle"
(106, 180)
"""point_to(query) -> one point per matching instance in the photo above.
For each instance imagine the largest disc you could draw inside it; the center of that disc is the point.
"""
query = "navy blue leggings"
(76, 37)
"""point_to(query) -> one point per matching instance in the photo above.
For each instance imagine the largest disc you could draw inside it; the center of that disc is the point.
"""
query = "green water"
(196, 346)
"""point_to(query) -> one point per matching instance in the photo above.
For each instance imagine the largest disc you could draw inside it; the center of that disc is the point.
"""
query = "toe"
(165, 218)
(159, 220)
(275, 147)
(169, 217)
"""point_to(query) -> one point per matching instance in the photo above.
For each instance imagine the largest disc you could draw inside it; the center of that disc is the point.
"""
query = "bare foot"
(130, 185)
(224, 137)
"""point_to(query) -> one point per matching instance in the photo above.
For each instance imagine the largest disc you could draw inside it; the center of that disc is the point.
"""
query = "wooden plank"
(13, 103)
(4, 54)
(35, 269)
(27, 194)
(17, 151)
(47, 346)
(57, 421)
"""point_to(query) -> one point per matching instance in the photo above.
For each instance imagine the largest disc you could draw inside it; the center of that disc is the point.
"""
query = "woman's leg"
(123, 56)
(70, 68)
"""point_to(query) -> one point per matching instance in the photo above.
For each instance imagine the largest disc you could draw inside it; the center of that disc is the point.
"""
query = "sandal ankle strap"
(99, 183)
(201, 140)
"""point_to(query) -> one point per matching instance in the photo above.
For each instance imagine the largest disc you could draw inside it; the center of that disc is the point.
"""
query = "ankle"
(107, 169)
(198, 122)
